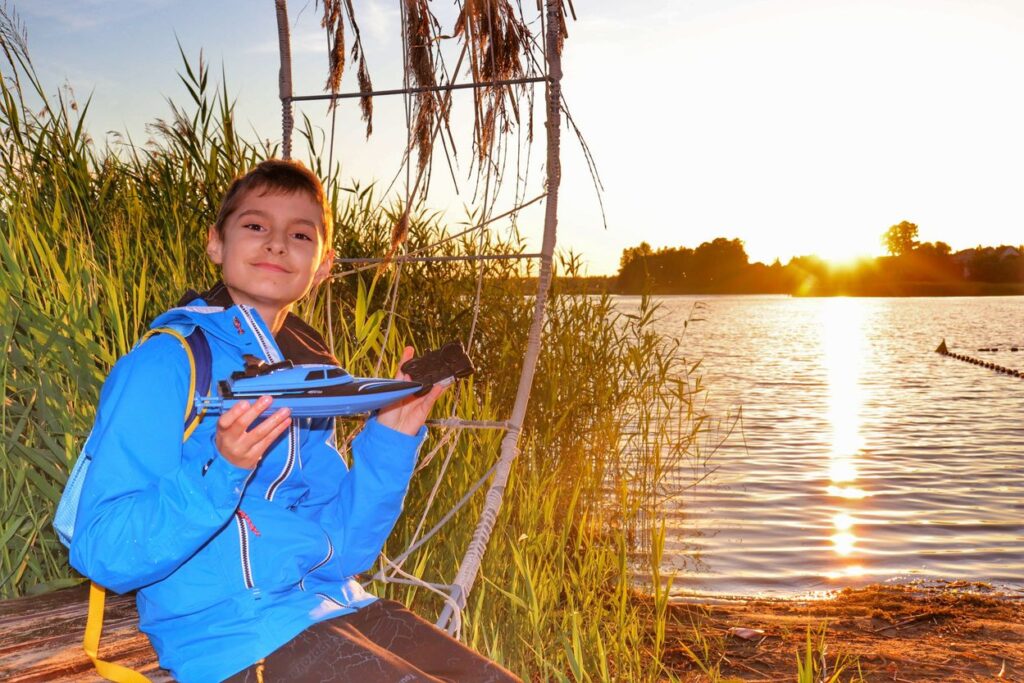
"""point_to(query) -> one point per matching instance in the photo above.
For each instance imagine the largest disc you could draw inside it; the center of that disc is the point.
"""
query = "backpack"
(197, 348)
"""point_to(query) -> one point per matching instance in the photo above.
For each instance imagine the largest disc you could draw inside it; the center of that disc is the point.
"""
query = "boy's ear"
(323, 271)
(213, 245)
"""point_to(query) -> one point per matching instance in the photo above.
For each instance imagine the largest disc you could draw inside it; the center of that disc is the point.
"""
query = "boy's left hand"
(409, 414)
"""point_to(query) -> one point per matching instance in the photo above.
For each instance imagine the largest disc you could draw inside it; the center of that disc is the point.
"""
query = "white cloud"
(305, 41)
(81, 15)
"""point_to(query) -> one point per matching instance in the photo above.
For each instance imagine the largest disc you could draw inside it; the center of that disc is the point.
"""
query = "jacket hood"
(242, 327)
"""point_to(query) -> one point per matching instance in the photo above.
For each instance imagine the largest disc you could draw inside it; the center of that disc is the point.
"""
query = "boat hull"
(362, 395)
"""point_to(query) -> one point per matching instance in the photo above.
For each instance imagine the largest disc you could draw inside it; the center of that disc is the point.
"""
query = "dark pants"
(383, 642)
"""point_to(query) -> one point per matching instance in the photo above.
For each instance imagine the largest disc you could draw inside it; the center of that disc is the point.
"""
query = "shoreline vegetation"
(912, 268)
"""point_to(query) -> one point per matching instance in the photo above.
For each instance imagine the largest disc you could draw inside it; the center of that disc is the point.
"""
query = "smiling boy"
(244, 537)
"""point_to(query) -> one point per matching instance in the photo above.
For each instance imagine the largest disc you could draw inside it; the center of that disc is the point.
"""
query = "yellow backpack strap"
(91, 643)
(191, 369)
(97, 593)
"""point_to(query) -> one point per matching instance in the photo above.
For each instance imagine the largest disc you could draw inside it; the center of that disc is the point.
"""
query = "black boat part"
(443, 365)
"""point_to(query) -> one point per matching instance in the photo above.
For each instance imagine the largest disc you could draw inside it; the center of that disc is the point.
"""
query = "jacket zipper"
(265, 346)
(243, 522)
(289, 464)
(330, 554)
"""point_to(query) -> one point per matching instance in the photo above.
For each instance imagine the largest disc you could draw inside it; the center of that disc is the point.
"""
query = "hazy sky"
(799, 126)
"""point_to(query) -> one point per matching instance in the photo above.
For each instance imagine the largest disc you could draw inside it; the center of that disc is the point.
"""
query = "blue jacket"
(229, 563)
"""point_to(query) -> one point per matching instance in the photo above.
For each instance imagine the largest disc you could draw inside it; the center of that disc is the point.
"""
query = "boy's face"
(272, 250)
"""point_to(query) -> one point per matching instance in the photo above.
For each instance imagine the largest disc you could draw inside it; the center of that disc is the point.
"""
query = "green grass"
(96, 242)
(813, 666)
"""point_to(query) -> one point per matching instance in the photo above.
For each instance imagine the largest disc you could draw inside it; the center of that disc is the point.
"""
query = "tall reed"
(96, 242)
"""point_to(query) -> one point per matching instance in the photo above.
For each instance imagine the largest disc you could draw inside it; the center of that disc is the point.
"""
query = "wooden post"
(285, 78)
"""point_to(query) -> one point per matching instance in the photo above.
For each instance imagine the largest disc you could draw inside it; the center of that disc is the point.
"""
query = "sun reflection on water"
(842, 323)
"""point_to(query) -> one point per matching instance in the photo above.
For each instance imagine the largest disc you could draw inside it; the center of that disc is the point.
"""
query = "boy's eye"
(302, 236)
(252, 226)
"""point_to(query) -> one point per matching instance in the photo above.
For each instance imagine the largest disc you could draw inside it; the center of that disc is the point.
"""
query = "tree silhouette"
(901, 238)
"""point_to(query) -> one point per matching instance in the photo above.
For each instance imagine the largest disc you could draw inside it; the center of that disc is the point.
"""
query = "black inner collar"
(298, 342)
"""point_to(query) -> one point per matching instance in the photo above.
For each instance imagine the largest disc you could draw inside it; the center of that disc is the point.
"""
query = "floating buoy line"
(943, 351)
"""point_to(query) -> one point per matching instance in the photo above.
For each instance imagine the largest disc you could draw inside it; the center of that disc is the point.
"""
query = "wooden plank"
(41, 638)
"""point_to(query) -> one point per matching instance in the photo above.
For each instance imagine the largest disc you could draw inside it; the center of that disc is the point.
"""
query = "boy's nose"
(276, 244)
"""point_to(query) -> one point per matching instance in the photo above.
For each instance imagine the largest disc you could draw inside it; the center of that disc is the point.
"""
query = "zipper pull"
(248, 521)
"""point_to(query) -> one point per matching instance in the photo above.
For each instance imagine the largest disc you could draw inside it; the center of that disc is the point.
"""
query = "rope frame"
(457, 592)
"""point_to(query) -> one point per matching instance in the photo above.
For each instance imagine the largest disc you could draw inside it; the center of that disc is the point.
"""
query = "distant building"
(967, 256)
(963, 259)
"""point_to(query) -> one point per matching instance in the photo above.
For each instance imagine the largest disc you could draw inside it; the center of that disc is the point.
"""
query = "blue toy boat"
(309, 390)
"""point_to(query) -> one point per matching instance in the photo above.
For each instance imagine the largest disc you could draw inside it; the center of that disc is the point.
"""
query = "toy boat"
(309, 390)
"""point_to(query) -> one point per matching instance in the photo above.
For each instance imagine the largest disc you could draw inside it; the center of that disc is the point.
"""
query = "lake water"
(863, 455)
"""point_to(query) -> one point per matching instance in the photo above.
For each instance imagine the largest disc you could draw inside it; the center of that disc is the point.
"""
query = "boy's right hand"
(241, 446)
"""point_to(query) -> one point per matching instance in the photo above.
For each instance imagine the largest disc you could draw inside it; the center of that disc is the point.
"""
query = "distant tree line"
(722, 266)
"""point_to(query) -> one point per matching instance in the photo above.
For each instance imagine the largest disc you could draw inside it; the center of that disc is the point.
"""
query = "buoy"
(942, 348)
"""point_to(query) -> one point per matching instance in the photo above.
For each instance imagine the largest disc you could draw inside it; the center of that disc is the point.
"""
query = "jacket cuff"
(381, 439)
(379, 446)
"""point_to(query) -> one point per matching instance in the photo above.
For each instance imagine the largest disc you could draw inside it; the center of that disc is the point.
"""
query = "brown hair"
(276, 175)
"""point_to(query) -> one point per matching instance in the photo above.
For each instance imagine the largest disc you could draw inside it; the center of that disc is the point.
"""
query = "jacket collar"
(297, 341)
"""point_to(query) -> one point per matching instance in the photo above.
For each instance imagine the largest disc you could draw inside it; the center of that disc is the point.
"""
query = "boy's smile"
(272, 252)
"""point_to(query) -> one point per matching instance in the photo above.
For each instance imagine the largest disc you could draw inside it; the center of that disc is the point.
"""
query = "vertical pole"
(285, 78)
(470, 565)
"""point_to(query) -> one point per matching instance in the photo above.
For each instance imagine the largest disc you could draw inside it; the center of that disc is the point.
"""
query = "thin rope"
(468, 424)
(429, 457)
(434, 588)
(455, 400)
(375, 262)
(419, 582)
(411, 256)
(433, 495)
(446, 423)
(447, 516)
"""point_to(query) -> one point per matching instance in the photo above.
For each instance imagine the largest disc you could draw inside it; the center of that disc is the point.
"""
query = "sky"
(797, 126)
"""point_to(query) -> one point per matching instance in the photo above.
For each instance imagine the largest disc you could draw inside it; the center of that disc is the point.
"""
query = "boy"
(243, 538)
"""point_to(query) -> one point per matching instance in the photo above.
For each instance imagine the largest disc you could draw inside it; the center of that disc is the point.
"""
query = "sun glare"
(842, 323)
(846, 251)
(844, 261)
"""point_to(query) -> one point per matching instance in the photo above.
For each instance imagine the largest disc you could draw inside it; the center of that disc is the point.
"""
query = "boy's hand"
(244, 447)
(409, 414)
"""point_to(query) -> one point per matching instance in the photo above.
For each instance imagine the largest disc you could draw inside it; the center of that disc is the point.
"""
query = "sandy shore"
(956, 632)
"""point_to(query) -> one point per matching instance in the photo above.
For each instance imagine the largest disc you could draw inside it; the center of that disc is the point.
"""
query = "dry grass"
(955, 632)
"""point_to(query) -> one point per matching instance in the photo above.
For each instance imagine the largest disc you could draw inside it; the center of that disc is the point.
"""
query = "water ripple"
(864, 456)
